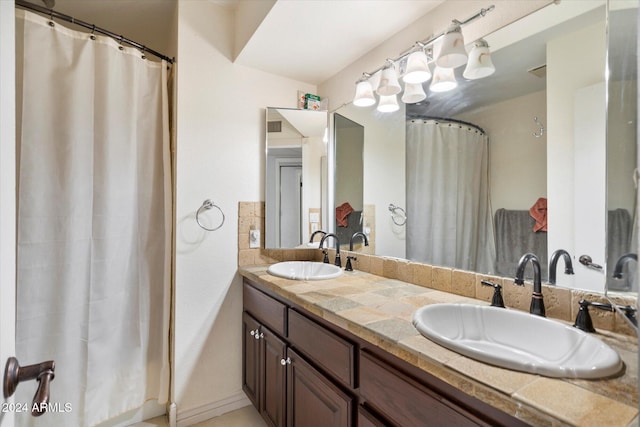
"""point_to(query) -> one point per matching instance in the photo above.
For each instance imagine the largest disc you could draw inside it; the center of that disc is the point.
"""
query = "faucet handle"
(349, 267)
(496, 300)
(583, 318)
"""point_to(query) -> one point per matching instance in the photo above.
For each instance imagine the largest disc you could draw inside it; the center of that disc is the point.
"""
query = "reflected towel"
(539, 212)
(342, 212)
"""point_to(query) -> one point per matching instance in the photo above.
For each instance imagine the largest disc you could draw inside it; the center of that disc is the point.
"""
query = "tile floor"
(244, 417)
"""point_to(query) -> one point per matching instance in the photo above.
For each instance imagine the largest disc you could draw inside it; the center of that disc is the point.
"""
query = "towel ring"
(394, 213)
(206, 205)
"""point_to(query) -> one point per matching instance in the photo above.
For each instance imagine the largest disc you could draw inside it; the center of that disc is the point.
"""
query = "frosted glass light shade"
(388, 104)
(443, 80)
(364, 96)
(452, 52)
(413, 92)
(417, 68)
(479, 64)
(389, 84)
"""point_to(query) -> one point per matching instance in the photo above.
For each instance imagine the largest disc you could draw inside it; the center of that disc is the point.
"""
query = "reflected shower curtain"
(94, 222)
(448, 212)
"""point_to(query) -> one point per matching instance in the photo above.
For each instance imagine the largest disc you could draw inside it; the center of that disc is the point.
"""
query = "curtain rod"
(444, 119)
(61, 16)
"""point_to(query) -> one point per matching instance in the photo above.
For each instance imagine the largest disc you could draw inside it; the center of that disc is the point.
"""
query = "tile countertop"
(379, 310)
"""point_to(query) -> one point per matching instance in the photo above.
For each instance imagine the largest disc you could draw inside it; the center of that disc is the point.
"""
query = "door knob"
(42, 372)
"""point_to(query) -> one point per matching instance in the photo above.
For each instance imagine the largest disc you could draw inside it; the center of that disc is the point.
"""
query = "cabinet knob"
(286, 361)
(256, 334)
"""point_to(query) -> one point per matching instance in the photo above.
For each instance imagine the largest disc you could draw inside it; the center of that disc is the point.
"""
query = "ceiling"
(311, 41)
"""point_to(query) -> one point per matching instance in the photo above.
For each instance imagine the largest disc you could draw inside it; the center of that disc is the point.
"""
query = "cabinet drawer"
(331, 352)
(403, 400)
(265, 309)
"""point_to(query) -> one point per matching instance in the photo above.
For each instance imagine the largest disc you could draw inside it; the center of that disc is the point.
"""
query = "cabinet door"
(367, 419)
(251, 358)
(312, 399)
(274, 379)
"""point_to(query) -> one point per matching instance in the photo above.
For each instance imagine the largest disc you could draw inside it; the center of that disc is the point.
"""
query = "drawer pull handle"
(286, 361)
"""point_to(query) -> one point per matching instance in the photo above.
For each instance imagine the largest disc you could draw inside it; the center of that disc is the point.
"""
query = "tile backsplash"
(560, 303)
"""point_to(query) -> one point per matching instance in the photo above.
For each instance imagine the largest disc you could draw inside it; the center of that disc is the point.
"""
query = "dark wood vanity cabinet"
(287, 389)
(263, 374)
(301, 371)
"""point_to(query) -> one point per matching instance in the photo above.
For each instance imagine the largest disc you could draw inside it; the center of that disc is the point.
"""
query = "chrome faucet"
(537, 303)
(337, 261)
(553, 262)
(349, 267)
(324, 233)
(617, 271)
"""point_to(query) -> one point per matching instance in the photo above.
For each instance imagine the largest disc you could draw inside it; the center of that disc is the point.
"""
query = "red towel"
(539, 212)
(342, 212)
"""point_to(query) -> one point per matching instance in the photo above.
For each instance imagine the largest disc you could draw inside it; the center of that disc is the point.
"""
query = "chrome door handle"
(42, 372)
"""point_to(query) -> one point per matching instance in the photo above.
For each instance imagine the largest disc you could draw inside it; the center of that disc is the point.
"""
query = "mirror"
(296, 170)
(622, 113)
(552, 99)
(349, 166)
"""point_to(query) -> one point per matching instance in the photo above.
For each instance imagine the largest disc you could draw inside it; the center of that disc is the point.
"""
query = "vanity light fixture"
(417, 67)
(413, 92)
(452, 54)
(479, 64)
(364, 93)
(389, 84)
(388, 104)
(443, 80)
(452, 51)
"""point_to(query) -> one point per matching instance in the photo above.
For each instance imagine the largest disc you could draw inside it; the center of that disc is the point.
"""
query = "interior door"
(7, 192)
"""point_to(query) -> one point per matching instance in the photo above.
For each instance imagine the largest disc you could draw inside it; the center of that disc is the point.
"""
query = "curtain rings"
(207, 205)
(143, 56)
(120, 42)
(92, 35)
(51, 23)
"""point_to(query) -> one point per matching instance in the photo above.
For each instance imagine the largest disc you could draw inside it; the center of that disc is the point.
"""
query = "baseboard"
(213, 409)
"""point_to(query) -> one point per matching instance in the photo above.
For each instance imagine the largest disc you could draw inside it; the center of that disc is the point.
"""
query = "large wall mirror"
(544, 136)
(296, 173)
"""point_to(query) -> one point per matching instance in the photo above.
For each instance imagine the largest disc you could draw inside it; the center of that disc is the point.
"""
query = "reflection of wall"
(517, 159)
(574, 62)
(621, 148)
(349, 137)
(313, 149)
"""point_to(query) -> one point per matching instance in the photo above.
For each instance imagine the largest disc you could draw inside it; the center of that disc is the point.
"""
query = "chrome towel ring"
(206, 205)
(398, 215)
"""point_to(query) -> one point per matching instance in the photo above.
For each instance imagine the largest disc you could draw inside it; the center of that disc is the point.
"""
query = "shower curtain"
(448, 211)
(94, 222)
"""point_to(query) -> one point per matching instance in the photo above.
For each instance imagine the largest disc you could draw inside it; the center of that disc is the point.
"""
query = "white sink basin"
(517, 340)
(305, 270)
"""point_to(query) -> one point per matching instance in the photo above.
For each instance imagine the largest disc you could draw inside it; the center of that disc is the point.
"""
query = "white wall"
(220, 155)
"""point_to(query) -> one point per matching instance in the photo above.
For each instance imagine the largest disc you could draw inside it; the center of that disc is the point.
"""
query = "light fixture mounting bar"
(429, 41)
